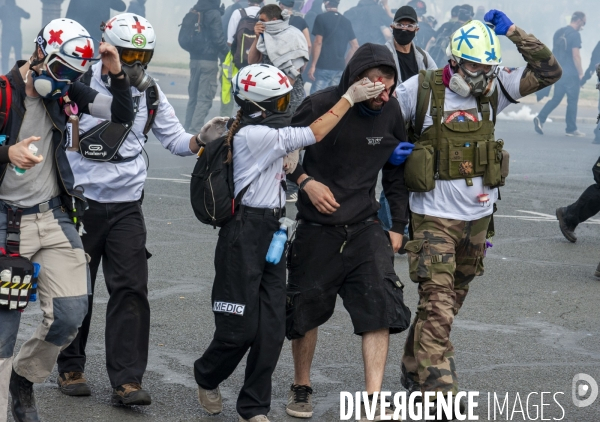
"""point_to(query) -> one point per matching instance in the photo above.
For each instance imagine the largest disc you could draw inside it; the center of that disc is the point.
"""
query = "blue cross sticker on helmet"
(476, 42)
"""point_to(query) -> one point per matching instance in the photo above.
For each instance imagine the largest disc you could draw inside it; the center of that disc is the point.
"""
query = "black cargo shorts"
(356, 262)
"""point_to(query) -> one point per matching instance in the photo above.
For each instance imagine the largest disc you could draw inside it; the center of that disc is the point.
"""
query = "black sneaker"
(23, 405)
(568, 232)
(131, 394)
(300, 401)
(597, 273)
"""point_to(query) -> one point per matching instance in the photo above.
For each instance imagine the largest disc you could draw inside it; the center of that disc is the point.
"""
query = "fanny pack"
(18, 275)
(102, 142)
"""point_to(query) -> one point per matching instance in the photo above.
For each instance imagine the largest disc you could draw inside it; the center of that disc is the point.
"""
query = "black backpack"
(211, 187)
(243, 39)
(191, 36)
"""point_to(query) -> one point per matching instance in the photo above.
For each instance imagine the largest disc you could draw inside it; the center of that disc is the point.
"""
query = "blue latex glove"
(401, 153)
(499, 20)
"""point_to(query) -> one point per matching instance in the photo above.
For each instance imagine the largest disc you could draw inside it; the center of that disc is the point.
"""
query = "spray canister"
(73, 133)
(20, 171)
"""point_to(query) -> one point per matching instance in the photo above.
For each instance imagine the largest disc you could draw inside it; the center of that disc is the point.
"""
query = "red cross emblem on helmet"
(247, 82)
(87, 52)
(55, 37)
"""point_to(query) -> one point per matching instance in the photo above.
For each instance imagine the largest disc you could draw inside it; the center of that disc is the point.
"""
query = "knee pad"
(68, 313)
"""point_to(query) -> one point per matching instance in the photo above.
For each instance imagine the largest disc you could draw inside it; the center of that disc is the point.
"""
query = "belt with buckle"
(39, 208)
(275, 212)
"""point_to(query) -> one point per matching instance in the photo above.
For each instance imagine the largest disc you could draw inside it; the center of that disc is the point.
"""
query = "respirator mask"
(480, 83)
(54, 81)
(134, 65)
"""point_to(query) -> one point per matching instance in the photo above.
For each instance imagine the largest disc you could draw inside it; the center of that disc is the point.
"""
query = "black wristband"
(121, 73)
(304, 182)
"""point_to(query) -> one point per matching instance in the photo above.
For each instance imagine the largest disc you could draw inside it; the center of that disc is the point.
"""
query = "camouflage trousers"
(444, 257)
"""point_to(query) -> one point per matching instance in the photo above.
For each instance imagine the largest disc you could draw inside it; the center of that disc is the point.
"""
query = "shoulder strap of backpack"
(243, 13)
(425, 59)
(5, 101)
(423, 97)
(152, 102)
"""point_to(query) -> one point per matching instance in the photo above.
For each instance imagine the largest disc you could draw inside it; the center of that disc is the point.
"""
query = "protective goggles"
(85, 53)
(409, 26)
(278, 104)
(131, 56)
(274, 105)
(488, 70)
(60, 71)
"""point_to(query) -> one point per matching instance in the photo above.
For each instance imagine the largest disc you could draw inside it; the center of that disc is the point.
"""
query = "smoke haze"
(540, 17)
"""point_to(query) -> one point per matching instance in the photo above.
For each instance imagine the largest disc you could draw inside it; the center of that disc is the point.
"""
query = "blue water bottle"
(277, 245)
(36, 272)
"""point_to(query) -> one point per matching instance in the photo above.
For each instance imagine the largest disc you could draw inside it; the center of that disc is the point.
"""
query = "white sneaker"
(577, 134)
(537, 125)
(292, 197)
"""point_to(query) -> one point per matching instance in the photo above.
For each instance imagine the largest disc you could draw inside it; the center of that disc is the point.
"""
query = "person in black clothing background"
(566, 47)
(410, 59)
(426, 31)
(370, 21)
(594, 62)
(337, 212)
(333, 34)
(204, 65)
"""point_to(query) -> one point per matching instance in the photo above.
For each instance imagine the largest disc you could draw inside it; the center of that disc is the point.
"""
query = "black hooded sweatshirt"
(216, 43)
(349, 158)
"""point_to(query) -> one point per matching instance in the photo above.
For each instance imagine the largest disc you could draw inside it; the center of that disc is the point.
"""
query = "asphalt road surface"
(529, 325)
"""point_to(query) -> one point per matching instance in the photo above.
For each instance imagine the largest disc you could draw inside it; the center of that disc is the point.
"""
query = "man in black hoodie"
(340, 247)
(204, 64)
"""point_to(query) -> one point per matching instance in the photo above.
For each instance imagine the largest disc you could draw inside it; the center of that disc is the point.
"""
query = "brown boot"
(131, 394)
(73, 384)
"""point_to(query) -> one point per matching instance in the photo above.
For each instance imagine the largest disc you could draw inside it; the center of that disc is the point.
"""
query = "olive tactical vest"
(454, 150)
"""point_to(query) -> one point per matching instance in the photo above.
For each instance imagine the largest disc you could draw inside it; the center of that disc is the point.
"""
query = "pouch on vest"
(493, 171)
(102, 142)
(419, 169)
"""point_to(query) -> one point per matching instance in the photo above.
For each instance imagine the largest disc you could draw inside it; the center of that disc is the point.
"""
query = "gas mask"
(138, 76)
(474, 83)
(48, 87)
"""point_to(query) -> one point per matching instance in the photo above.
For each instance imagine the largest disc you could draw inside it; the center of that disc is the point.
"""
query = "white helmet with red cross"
(129, 30)
(70, 42)
(263, 85)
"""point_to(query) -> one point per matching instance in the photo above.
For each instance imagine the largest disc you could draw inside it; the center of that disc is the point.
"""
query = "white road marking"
(538, 216)
(169, 180)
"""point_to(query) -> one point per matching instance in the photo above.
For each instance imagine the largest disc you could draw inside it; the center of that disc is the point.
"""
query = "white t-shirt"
(258, 153)
(453, 199)
(235, 19)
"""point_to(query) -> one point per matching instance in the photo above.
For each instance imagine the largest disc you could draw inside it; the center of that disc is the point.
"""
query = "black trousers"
(249, 306)
(116, 234)
(587, 206)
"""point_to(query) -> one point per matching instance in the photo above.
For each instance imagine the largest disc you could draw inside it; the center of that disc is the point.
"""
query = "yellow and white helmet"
(475, 42)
